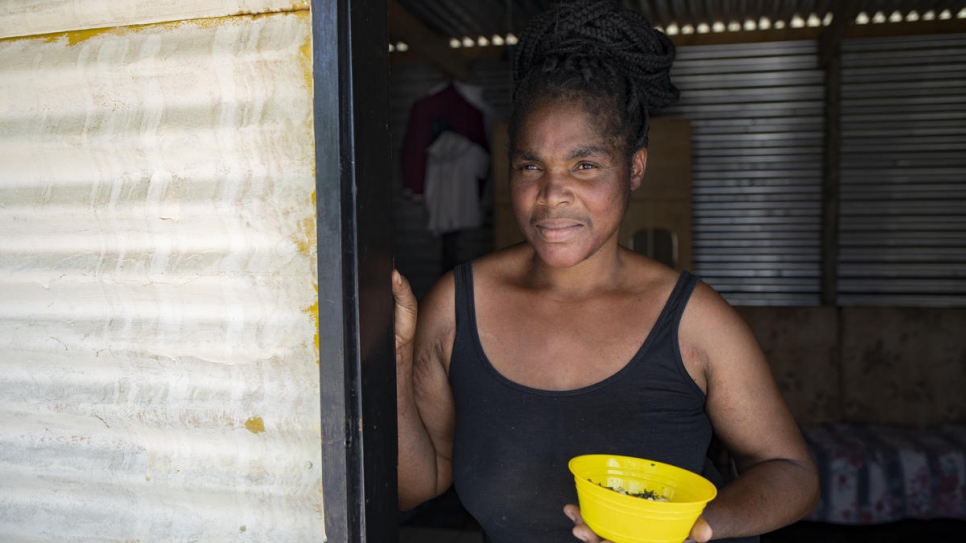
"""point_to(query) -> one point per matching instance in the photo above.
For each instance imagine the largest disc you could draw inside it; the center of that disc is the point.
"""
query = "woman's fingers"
(573, 513)
(581, 531)
(701, 531)
(405, 309)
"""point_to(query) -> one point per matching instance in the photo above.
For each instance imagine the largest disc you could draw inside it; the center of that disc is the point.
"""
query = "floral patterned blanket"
(877, 473)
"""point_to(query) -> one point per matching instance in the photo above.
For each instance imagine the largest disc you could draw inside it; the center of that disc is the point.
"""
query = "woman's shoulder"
(709, 307)
(707, 314)
(442, 294)
(655, 279)
(437, 306)
(711, 325)
(502, 265)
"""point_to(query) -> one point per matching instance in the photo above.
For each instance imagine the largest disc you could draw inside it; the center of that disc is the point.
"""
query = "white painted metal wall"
(159, 376)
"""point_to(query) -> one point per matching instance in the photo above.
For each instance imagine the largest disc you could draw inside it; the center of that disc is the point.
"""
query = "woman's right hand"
(700, 532)
(405, 315)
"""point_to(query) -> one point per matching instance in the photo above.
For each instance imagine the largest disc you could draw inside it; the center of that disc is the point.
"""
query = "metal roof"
(475, 18)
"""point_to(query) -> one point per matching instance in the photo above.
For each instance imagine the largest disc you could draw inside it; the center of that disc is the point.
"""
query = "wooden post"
(831, 174)
(830, 58)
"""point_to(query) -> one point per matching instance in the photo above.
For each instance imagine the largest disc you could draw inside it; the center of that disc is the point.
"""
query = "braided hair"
(608, 58)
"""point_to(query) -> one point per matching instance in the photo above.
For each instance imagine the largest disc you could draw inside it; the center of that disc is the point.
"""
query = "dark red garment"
(430, 117)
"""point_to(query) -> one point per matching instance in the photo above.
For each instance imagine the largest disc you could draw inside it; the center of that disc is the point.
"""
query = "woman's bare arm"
(425, 411)
(778, 482)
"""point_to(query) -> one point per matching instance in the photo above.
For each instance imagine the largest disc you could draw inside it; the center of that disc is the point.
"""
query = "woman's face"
(569, 184)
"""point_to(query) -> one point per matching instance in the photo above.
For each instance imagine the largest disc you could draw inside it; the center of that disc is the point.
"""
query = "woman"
(570, 344)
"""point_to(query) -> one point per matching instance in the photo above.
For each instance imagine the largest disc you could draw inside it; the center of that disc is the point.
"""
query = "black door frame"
(353, 205)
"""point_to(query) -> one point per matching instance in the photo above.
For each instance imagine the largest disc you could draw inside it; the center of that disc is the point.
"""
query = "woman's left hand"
(700, 532)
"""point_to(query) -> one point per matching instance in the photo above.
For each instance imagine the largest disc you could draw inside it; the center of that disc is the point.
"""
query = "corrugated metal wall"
(757, 122)
(159, 374)
(902, 229)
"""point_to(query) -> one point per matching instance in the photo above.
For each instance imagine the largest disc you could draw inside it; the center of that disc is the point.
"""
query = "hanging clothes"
(454, 167)
(446, 110)
(474, 95)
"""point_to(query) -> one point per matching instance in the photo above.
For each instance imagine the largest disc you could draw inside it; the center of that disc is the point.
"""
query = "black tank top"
(512, 443)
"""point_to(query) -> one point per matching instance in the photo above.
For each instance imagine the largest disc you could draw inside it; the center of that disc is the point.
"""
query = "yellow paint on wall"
(305, 52)
(305, 237)
(255, 425)
(313, 311)
(74, 37)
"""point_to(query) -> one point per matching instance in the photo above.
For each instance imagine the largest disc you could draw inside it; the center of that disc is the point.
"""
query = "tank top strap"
(465, 310)
(674, 308)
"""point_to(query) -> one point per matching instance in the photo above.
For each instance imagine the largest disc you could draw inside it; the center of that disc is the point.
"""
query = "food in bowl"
(646, 494)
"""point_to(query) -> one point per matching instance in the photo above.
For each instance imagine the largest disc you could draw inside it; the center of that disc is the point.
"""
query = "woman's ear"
(638, 166)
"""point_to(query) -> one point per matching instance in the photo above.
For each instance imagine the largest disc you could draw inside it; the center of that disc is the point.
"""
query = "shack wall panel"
(902, 216)
(159, 373)
(756, 113)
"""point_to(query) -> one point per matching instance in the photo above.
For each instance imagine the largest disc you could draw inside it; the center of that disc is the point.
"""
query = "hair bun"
(584, 35)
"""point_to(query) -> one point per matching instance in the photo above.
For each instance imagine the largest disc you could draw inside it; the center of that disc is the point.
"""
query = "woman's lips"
(558, 229)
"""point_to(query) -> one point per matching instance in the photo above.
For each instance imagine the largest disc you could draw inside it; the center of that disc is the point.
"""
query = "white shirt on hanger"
(454, 167)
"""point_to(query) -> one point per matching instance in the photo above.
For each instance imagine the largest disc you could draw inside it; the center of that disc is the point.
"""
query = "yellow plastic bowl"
(623, 518)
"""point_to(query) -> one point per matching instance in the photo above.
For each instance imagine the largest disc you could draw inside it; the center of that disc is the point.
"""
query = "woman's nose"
(556, 189)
